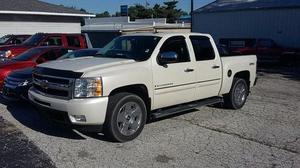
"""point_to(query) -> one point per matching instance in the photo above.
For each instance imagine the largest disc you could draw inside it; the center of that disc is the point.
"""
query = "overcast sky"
(97, 6)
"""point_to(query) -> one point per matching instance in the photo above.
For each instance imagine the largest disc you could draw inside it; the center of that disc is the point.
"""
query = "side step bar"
(184, 107)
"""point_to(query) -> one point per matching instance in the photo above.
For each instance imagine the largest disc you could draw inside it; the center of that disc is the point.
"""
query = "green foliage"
(139, 12)
(104, 14)
(168, 10)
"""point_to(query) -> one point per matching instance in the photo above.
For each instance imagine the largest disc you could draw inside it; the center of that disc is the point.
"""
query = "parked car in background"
(259, 47)
(75, 41)
(13, 39)
(30, 58)
(138, 77)
(80, 53)
(17, 83)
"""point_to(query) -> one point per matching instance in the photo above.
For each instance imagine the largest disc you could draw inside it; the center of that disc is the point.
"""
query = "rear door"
(208, 67)
(174, 82)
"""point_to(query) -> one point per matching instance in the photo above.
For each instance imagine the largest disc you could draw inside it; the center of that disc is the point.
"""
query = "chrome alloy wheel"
(240, 94)
(129, 118)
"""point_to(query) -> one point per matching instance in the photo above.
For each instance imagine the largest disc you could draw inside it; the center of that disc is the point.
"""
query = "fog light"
(78, 118)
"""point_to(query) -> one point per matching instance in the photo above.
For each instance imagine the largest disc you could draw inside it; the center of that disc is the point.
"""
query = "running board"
(184, 107)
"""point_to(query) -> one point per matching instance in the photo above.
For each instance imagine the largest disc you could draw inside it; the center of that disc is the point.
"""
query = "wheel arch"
(139, 89)
(243, 75)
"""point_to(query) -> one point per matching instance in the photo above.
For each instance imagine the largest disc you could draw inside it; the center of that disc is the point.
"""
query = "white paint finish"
(208, 79)
(237, 64)
(95, 115)
(46, 13)
(281, 25)
(165, 86)
(7, 27)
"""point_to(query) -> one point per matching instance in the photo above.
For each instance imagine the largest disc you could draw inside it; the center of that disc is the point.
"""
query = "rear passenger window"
(53, 41)
(73, 41)
(202, 48)
(178, 45)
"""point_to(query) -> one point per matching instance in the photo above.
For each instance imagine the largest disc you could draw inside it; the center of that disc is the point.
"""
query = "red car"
(13, 39)
(259, 47)
(31, 58)
(75, 41)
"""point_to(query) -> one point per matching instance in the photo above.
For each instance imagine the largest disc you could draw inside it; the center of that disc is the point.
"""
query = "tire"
(238, 94)
(121, 124)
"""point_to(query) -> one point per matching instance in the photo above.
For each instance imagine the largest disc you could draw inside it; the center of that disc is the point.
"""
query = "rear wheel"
(238, 94)
(126, 117)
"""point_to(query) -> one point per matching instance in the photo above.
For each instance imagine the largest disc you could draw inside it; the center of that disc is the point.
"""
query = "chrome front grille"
(52, 86)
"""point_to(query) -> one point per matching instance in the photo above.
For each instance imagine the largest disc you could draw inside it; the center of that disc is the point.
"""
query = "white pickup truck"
(139, 77)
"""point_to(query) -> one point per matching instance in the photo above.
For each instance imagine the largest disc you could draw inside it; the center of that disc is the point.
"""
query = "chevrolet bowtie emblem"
(44, 84)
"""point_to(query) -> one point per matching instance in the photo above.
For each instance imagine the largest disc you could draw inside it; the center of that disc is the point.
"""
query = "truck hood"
(85, 64)
(22, 74)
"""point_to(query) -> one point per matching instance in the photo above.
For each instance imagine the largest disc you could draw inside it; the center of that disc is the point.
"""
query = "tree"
(171, 12)
(158, 11)
(103, 14)
(83, 10)
(139, 12)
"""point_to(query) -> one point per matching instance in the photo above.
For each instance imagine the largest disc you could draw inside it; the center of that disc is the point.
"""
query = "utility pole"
(192, 9)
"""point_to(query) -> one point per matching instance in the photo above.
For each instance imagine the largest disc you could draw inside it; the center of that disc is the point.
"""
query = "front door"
(174, 82)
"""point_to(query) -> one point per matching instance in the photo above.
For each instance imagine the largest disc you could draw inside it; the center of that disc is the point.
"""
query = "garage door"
(7, 27)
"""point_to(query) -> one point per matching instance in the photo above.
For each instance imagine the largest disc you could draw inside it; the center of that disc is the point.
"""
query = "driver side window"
(178, 45)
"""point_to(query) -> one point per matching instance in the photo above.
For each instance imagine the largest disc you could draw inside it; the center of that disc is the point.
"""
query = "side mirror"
(167, 58)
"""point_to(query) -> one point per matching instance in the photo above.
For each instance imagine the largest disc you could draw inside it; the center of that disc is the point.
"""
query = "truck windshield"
(4, 39)
(28, 55)
(34, 40)
(138, 48)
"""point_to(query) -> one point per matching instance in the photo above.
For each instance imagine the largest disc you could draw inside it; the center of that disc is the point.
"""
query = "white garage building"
(32, 16)
(266, 19)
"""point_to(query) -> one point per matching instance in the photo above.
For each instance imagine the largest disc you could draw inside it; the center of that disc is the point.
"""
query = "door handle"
(215, 67)
(189, 70)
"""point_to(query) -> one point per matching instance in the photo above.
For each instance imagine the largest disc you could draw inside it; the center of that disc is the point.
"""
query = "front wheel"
(238, 94)
(126, 117)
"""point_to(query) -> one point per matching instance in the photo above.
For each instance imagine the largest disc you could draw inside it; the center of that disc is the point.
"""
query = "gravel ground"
(265, 133)
(18, 151)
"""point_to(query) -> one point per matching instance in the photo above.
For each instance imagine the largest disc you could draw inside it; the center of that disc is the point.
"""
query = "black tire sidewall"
(115, 103)
(232, 99)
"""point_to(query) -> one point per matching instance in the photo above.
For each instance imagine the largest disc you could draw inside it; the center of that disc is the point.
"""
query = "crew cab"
(75, 41)
(30, 58)
(140, 77)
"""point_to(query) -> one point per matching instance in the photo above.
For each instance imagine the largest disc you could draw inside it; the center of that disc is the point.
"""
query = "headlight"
(25, 83)
(8, 53)
(88, 87)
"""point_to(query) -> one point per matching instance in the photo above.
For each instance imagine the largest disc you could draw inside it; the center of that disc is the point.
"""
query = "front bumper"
(15, 93)
(93, 109)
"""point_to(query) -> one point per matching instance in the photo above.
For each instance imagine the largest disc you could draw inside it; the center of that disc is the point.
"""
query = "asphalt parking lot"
(265, 133)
